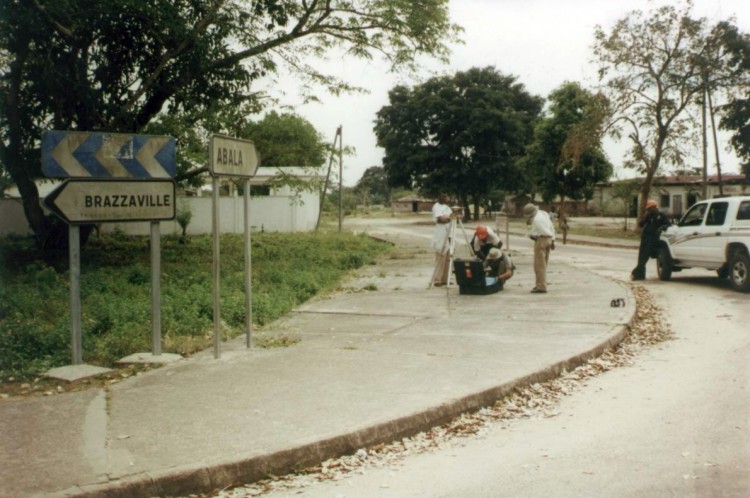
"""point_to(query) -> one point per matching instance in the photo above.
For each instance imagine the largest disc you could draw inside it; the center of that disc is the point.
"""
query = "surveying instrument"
(449, 248)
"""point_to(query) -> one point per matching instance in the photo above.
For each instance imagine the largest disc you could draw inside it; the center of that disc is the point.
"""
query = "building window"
(260, 190)
(664, 200)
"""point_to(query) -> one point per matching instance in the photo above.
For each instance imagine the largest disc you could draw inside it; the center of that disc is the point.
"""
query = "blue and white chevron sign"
(75, 154)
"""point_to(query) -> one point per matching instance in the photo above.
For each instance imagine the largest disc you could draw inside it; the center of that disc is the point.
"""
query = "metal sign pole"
(248, 266)
(74, 246)
(155, 289)
(341, 178)
(216, 269)
(231, 157)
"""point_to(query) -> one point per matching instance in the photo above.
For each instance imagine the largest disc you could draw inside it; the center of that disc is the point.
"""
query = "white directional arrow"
(63, 154)
(74, 154)
(146, 156)
(97, 201)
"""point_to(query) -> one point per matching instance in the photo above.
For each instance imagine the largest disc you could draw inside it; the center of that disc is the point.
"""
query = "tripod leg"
(451, 251)
(466, 238)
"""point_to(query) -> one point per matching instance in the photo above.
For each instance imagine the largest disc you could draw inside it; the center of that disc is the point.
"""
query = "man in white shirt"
(483, 241)
(441, 215)
(543, 234)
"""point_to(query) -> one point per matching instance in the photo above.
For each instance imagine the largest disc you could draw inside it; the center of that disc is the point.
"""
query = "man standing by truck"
(653, 223)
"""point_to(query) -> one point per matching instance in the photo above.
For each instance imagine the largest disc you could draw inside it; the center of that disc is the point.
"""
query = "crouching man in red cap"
(483, 241)
(652, 224)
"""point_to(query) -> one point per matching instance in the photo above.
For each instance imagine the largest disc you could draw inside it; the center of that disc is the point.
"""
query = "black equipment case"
(471, 279)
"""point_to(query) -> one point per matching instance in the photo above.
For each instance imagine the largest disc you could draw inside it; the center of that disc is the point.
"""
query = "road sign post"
(155, 289)
(74, 243)
(232, 157)
(248, 264)
(112, 177)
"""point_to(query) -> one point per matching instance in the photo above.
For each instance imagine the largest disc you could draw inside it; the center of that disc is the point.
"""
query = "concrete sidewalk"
(384, 358)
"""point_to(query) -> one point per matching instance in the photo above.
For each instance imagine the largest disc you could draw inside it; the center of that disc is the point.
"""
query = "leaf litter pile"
(535, 401)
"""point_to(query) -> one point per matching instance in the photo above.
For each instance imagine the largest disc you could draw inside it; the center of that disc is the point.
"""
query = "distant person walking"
(652, 224)
(441, 215)
(542, 232)
(564, 227)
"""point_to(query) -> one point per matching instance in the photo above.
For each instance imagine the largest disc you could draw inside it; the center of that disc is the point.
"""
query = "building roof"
(686, 180)
(413, 198)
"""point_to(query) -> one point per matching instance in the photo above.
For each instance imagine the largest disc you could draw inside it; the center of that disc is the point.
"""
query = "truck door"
(685, 237)
(715, 232)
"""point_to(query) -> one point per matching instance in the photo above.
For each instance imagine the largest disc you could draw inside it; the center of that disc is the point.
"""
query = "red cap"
(481, 232)
(651, 204)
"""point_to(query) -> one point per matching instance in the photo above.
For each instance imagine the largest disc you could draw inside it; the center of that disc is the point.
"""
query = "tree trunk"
(32, 208)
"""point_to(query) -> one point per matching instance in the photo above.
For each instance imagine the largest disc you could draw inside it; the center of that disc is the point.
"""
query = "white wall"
(268, 214)
(277, 213)
(282, 211)
(12, 218)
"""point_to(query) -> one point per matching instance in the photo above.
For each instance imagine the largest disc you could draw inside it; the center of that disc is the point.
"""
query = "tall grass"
(35, 323)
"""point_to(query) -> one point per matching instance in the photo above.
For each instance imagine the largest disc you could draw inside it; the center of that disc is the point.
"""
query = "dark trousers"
(646, 251)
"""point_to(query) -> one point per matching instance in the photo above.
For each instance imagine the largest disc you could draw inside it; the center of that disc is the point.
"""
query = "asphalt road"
(675, 423)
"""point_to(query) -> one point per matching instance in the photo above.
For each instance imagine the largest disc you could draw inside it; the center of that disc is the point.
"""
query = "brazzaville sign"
(232, 157)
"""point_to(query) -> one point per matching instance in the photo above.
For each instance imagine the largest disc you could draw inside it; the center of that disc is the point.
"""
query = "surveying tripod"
(449, 248)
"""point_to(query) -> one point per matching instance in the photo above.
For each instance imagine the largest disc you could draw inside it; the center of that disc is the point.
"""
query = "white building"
(674, 194)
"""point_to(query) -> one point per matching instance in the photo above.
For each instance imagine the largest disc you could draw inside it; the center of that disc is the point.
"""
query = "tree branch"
(63, 30)
(199, 27)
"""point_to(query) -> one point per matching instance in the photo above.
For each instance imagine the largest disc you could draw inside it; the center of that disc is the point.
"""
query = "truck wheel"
(739, 266)
(664, 264)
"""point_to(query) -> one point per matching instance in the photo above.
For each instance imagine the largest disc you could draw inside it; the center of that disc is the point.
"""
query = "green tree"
(651, 70)
(736, 112)
(724, 80)
(116, 65)
(373, 186)
(460, 134)
(623, 192)
(566, 157)
(286, 140)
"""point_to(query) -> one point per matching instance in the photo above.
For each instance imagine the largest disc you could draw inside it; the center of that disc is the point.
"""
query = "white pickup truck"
(713, 234)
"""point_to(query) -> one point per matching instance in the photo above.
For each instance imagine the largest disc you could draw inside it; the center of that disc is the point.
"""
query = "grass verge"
(35, 322)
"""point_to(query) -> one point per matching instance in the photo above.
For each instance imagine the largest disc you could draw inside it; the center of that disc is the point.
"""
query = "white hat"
(495, 253)
(529, 210)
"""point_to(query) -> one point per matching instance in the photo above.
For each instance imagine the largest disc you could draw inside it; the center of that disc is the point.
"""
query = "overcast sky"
(542, 42)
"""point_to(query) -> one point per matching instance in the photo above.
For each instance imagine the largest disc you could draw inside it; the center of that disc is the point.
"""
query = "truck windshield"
(694, 217)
